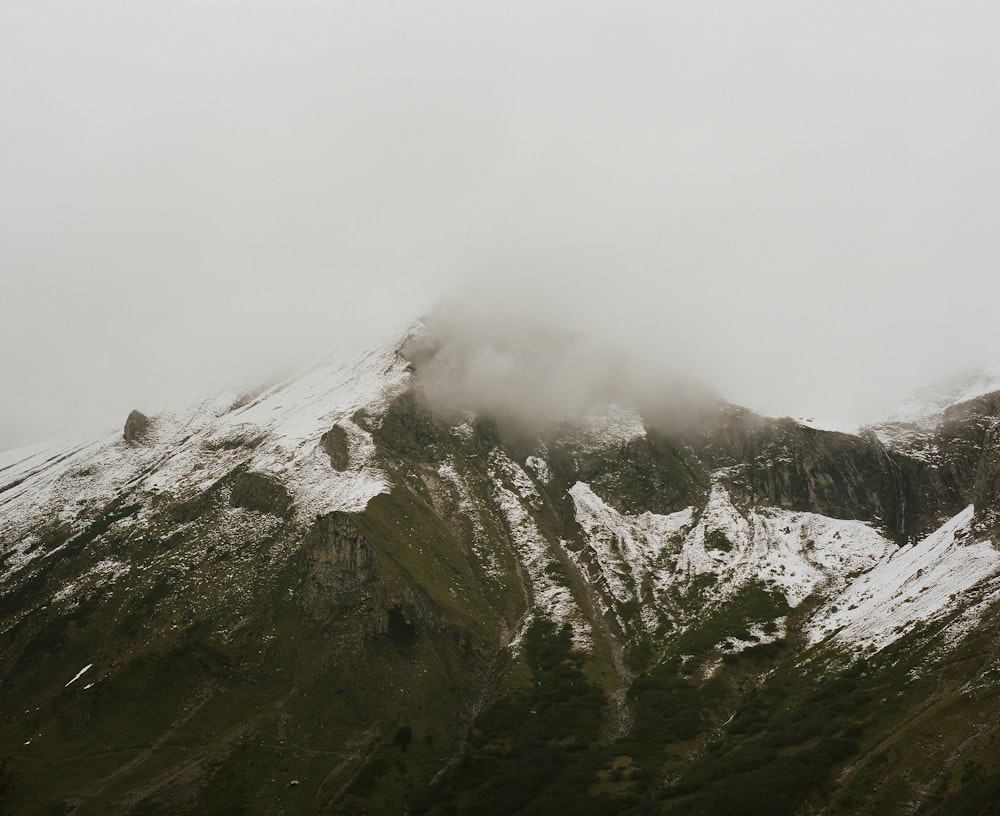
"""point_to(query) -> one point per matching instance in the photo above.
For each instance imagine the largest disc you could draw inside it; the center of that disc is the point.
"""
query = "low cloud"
(797, 205)
(531, 372)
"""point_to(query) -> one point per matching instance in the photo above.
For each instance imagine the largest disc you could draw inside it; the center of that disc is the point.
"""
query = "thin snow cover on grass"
(66, 484)
(961, 621)
(795, 552)
(630, 550)
(20, 463)
(185, 452)
(470, 508)
(237, 546)
(299, 412)
(549, 598)
(917, 583)
(15, 556)
(102, 573)
(34, 479)
(969, 617)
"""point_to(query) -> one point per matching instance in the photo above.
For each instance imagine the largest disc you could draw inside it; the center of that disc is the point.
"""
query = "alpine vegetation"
(484, 569)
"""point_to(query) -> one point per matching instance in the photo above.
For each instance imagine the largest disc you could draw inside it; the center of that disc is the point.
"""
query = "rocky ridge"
(329, 583)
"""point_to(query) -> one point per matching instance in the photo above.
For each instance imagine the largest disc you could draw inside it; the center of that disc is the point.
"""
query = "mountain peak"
(368, 589)
(930, 402)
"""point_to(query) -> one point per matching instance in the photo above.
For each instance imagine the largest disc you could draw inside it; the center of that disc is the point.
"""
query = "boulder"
(136, 426)
(337, 447)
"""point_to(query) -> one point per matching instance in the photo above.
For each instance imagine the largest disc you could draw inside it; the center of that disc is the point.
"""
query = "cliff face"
(940, 459)
(328, 599)
(987, 484)
(338, 565)
(785, 464)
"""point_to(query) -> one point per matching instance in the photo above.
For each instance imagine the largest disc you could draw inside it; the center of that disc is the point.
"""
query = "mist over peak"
(795, 206)
(530, 375)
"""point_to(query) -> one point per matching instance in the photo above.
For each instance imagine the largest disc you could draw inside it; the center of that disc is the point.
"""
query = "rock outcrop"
(987, 486)
(136, 427)
(338, 563)
(255, 491)
(337, 447)
(780, 463)
(943, 463)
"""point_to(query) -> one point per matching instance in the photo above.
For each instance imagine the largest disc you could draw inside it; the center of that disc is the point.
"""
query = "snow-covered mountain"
(327, 596)
(930, 402)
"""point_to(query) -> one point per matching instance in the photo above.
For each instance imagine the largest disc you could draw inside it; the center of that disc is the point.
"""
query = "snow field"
(916, 583)
(549, 598)
(277, 433)
(796, 553)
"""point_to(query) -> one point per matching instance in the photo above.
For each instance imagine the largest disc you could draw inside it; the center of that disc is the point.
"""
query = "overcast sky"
(799, 200)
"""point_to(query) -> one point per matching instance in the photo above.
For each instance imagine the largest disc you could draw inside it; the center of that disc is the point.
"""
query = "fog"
(796, 203)
(531, 375)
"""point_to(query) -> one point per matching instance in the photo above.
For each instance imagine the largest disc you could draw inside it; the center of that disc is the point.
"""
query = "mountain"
(334, 597)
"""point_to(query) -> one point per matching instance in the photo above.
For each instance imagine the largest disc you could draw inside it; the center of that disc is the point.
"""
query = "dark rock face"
(338, 563)
(936, 492)
(136, 426)
(909, 492)
(647, 473)
(403, 634)
(784, 464)
(335, 443)
(950, 479)
(408, 428)
(963, 431)
(255, 491)
(987, 486)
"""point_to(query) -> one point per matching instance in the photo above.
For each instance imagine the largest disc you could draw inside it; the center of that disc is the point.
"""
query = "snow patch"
(756, 635)
(850, 428)
(464, 430)
(631, 551)
(79, 674)
(549, 598)
(501, 464)
(471, 510)
(916, 583)
(795, 552)
(647, 558)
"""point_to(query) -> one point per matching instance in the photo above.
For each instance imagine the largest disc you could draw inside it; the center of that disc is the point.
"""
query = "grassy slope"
(215, 690)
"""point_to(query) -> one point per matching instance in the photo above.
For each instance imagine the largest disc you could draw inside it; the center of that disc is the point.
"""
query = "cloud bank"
(531, 375)
(798, 203)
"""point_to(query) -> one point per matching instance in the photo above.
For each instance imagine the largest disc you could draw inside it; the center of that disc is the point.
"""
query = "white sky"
(798, 200)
